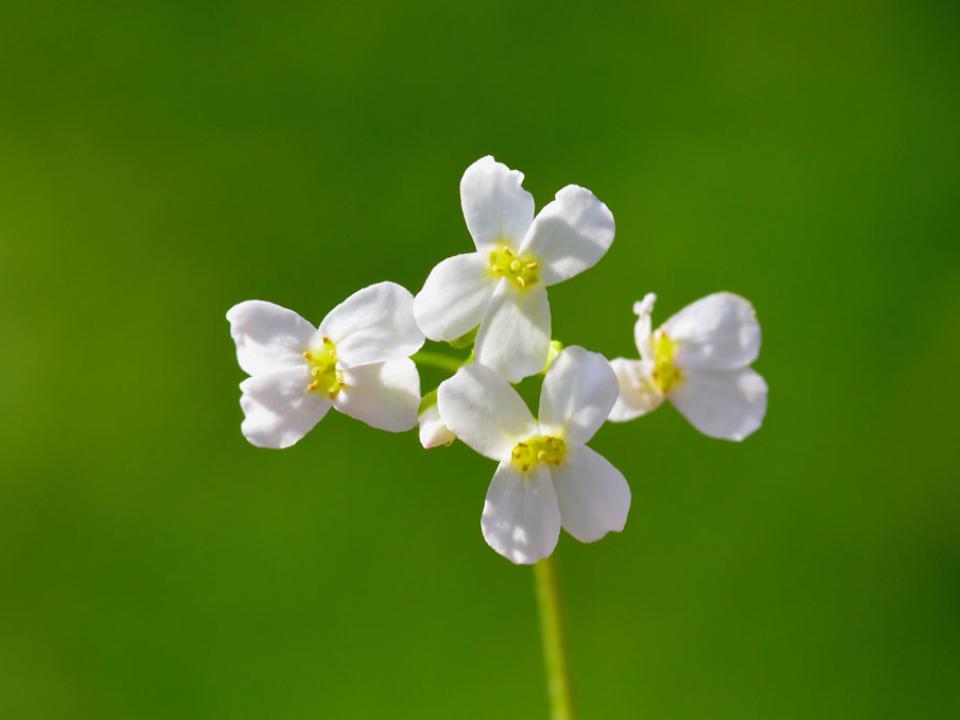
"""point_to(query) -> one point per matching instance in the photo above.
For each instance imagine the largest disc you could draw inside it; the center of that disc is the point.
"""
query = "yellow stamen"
(543, 449)
(665, 372)
(326, 377)
(521, 271)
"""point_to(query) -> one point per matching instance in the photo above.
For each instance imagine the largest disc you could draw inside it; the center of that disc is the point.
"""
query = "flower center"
(520, 270)
(549, 450)
(665, 373)
(323, 369)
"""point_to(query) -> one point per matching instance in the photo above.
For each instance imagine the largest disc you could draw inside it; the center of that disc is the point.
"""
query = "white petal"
(569, 234)
(641, 329)
(725, 404)
(278, 409)
(577, 395)
(593, 495)
(639, 394)
(483, 410)
(432, 430)
(383, 395)
(455, 296)
(718, 332)
(514, 336)
(374, 325)
(495, 205)
(521, 518)
(268, 336)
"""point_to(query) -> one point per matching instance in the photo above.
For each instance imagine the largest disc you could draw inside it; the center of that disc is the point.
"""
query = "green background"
(160, 162)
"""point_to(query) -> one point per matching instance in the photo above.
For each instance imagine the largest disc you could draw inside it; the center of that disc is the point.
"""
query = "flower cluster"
(360, 360)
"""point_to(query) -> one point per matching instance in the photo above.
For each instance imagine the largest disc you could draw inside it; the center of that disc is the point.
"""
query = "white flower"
(699, 359)
(547, 476)
(433, 433)
(502, 287)
(357, 361)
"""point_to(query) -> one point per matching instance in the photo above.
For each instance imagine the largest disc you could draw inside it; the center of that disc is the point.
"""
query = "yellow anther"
(323, 360)
(521, 271)
(549, 450)
(665, 372)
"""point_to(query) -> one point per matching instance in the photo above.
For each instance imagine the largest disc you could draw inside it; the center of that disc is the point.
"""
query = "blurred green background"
(160, 162)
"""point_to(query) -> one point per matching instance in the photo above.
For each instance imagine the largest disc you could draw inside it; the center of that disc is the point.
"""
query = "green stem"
(554, 646)
(438, 360)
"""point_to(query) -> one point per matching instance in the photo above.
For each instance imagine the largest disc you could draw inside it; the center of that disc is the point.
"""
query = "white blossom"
(699, 360)
(433, 433)
(546, 477)
(502, 286)
(357, 361)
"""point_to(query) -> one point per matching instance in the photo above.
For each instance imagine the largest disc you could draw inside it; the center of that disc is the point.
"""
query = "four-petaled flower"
(502, 287)
(358, 361)
(547, 476)
(698, 359)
